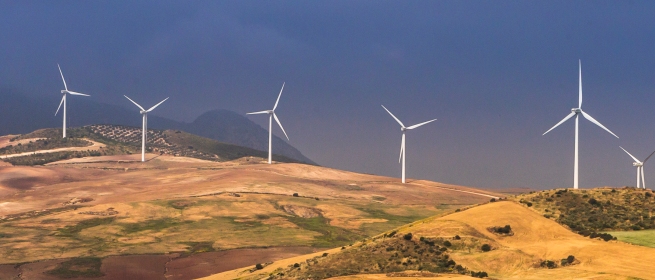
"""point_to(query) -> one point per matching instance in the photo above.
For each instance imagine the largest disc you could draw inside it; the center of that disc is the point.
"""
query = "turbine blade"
(77, 93)
(420, 124)
(62, 77)
(153, 107)
(651, 154)
(62, 102)
(633, 157)
(394, 117)
(278, 97)
(402, 148)
(580, 83)
(587, 116)
(280, 124)
(137, 104)
(260, 112)
(560, 122)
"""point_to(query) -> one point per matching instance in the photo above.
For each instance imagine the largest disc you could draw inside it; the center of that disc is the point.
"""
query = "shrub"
(325, 254)
(486, 248)
(296, 265)
(507, 230)
(407, 236)
(548, 264)
(492, 200)
(529, 204)
(447, 243)
(570, 259)
(479, 274)
(593, 201)
(295, 194)
(391, 234)
(457, 237)
(259, 266)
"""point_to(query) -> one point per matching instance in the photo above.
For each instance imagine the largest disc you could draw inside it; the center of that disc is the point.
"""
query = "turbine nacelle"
(576, 110)
(403, 129)
(637, 164)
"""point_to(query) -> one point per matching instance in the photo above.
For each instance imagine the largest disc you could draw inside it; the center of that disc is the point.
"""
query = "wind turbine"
(640, 168)
(402, 144)
(145, 112)
(63, 98)
(271, 115)
(576, 112)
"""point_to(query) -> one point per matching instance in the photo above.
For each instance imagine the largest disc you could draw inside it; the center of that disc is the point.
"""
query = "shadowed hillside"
(595, 210)
(121, 140)
(20, 114)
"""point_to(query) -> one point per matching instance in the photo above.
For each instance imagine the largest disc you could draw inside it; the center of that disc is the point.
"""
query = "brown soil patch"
(9, 272)
(143, 267)
(205, 264)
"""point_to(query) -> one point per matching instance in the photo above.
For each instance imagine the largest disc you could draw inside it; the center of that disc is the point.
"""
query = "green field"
(638, 237)
(219, 222)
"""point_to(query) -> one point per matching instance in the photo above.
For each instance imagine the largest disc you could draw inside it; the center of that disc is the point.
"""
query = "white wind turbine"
(575, 112)
(640, 168)
(402, 144)
(63, 98)
(145, 112)
(271, 115)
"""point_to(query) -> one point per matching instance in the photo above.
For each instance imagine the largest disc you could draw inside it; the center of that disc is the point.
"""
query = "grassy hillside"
(43, 144)
(534, 248)
(595, 210)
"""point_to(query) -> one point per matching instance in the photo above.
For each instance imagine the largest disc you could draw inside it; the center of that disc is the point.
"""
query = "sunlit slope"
(535, 239)
(113, 205)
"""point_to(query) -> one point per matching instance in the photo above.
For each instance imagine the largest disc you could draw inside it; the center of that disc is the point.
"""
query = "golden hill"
(535, 239)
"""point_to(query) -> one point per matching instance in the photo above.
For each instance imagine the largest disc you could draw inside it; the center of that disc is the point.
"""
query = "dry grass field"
(113, 207)
(534, 239)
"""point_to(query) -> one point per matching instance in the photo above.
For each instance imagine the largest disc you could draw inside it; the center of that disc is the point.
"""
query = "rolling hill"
(534, 248)
(172, 216)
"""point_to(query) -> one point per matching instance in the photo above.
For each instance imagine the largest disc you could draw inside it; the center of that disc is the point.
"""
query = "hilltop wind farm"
(197, 188)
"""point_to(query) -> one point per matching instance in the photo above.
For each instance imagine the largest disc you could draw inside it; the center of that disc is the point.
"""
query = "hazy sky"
(496, 75)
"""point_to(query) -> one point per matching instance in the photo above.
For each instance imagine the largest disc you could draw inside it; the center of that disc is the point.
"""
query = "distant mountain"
(21, 114)
(230, 127)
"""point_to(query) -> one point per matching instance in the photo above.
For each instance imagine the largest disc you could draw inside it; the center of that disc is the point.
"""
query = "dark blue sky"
(496, 75)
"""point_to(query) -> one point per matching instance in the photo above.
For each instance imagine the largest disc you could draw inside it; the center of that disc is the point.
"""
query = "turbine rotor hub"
(576, 110)
(403, 129)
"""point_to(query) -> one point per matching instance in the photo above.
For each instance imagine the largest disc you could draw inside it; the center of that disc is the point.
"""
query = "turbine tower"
(145, 112)
(640, 168)
(271, 115)
(576, 112)
(63, 98)
(402, 143)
